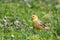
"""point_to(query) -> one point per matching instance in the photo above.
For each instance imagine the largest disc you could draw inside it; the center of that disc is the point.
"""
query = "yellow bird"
(37, 23)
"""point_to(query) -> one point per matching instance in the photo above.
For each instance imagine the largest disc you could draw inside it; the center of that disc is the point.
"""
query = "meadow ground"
(21, 11)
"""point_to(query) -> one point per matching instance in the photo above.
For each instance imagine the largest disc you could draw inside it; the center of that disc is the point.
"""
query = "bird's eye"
(33, 16)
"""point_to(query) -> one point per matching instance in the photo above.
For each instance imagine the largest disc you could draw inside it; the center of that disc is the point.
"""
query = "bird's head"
(34, 17)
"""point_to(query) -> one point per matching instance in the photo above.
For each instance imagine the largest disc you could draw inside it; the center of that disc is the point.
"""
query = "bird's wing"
(42, 24)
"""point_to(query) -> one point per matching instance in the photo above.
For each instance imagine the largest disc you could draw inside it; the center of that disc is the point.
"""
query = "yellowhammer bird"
(37, 23)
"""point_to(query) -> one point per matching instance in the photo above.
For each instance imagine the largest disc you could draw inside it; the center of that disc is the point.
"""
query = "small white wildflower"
(4, 22)
(5, 17)
(12, 36)
(16, 22)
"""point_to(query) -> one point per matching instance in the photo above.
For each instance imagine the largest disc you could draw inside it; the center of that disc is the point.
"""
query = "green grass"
(22, 11)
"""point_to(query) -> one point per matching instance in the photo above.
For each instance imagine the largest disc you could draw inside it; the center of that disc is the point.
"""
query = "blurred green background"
(21, 10)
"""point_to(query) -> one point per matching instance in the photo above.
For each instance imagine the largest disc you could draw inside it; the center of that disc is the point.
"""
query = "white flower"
(16, 23)
(4, 22)
(12, 36)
